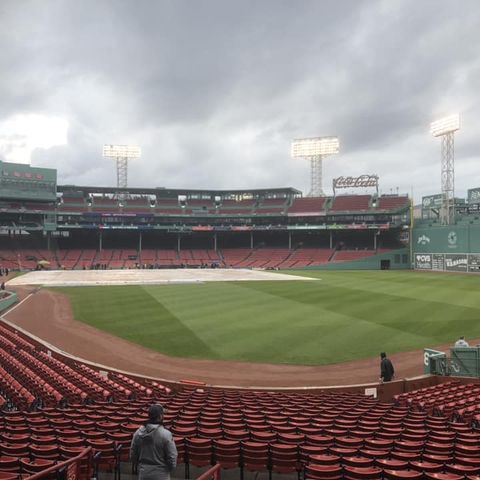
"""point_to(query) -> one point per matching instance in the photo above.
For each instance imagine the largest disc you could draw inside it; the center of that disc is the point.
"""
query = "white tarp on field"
(53, 278)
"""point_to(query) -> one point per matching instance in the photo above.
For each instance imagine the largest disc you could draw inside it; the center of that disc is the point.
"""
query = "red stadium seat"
(402, 475)
(423, 466)
(323, 472)
(442, 476)
(284, 459)
(227, 453)
(255, 456)
(362, 473)
(8, 476)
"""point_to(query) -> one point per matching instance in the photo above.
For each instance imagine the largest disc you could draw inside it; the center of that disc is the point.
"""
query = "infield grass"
(342, 316)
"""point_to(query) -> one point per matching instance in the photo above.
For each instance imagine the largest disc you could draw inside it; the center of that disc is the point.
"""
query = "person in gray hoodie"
(153, 448)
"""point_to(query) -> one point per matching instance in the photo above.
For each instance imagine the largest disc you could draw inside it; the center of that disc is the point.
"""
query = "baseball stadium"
(255, 317)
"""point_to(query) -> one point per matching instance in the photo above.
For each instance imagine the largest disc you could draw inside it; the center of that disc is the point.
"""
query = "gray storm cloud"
(214, 91)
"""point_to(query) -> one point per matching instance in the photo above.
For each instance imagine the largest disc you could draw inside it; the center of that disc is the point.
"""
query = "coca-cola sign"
(363, 181)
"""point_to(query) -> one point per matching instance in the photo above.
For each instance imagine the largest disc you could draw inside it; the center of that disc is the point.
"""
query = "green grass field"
(343, 316)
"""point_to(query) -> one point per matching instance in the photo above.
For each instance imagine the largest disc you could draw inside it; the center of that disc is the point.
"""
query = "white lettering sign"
(423, 240)
(363, 181)
(454, 263)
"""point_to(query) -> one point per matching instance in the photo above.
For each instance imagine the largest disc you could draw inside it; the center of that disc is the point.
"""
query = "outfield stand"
(28, 258)
(265, 258)
(205, 255)
(130, 258)
(10, 259)
(72, 204)
(148, 257)
(87, 258)
(235, 257)
(170, 210)
(167, 258)
(168, 206)
(279, 211)
(116, 260)
(351, 255)
(351, 203)
(234, 207)
(69, 208)
(104, 202)
(104, 257)
(308, 206)
(304, 257)
(273, 202)
(68, 258)
(137, 201)
(199, 257)
(199, 206)
(39, 207)
(392, 202)
(48, 255)
(137, 205)
(270, 206)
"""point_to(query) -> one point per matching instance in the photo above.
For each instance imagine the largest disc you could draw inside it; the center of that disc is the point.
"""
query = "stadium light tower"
(315, 149)
(122, 153)
(446, 128)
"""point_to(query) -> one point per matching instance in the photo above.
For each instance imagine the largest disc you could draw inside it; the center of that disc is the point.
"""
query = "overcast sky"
(214, 90)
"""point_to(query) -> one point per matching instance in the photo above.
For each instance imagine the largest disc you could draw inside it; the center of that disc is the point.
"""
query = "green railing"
(7, 299)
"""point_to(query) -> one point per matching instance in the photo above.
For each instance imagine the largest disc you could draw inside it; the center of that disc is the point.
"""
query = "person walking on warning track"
(387, 372)
(153, 448)
(461, 342)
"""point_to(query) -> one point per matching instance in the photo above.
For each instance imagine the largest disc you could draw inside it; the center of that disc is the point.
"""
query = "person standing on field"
(387, 372)
(461, 342)
(153, 448)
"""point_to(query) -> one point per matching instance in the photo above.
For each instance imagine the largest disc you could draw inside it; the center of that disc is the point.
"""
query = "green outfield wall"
(7, 300)
(394, 260)
(454, 248)
(462, 362)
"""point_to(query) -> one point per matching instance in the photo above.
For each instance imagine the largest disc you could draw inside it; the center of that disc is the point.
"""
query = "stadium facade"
(83, 226)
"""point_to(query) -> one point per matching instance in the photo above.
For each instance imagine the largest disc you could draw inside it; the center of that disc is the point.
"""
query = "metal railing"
(213, 473)
(70, 469)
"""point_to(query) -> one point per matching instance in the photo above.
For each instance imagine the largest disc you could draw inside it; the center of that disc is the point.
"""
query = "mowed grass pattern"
(342, 316)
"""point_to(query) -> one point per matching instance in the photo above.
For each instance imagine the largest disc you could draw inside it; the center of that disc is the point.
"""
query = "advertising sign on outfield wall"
(438, 262)
(450, 262)
(474, 263)
(456, 262)
(423, 261)
(431, 202)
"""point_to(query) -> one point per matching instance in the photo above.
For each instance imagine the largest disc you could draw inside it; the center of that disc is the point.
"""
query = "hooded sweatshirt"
(155, 452)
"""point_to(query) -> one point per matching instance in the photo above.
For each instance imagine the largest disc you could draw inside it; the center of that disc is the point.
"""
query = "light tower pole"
(446, 128)
(121, 154)
(315, 149)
